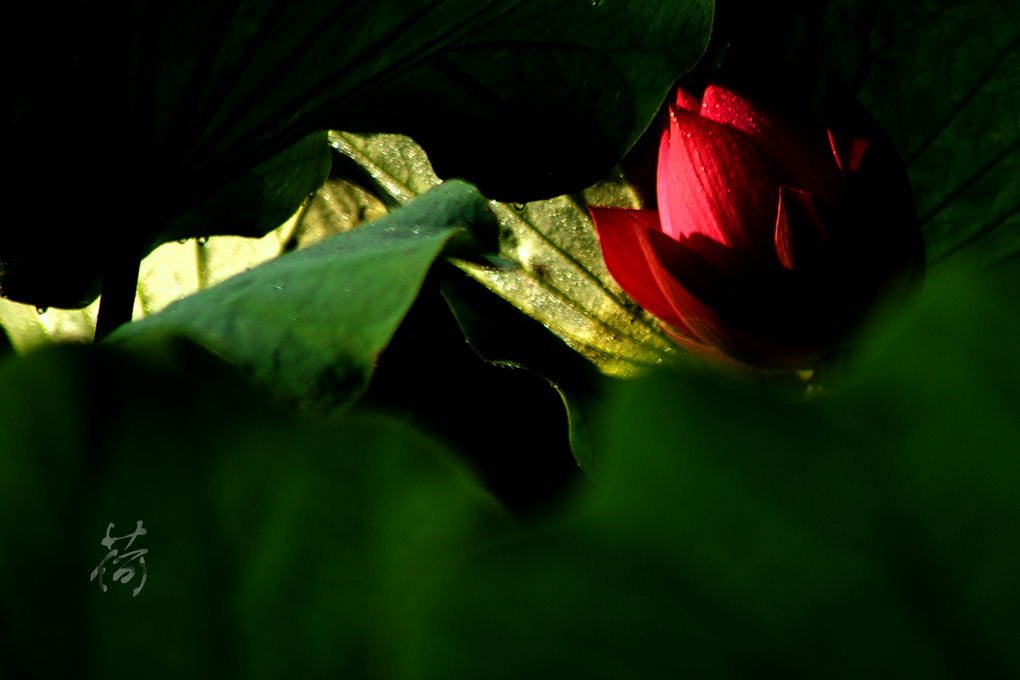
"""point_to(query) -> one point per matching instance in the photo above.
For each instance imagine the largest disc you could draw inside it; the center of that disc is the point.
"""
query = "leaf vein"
(962, 104)
(971, 181)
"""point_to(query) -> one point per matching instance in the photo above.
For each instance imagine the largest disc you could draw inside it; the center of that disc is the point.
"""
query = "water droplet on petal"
(518, 206)
(202, 240)
(41, 310)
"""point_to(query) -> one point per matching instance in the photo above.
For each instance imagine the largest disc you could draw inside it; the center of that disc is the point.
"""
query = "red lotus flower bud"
(769, 243)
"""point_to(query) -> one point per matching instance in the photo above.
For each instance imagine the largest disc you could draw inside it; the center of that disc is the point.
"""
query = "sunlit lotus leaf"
(337, 206)
(557, 275)
(171, 272)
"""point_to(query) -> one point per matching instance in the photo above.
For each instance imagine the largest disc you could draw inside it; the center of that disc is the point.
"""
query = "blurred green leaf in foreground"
(730, 534)
(275, 546)
(873, 531)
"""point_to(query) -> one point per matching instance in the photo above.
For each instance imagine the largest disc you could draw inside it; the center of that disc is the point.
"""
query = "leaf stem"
(120, 281)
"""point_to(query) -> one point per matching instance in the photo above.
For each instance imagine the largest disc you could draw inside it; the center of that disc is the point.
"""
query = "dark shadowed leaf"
(5, 344)
(309, 325)
(553, 93)
(510, 423)
(127, 116)
(502, 334)
(260, 200)
(941, 78)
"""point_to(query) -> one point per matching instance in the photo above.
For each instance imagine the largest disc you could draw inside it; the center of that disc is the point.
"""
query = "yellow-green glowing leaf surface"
(558, 276)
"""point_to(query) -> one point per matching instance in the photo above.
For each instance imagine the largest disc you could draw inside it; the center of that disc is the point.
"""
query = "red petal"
(807, 162)
(673, 282)
(865, 154)
(687, 101)
(713, 181)
(623, 234)
(689, 270)
(800, 235)
(848, 152)
(878, 183)
(693, 287)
